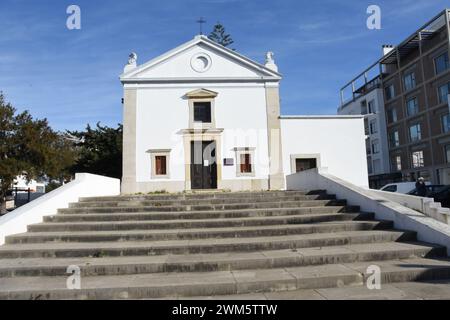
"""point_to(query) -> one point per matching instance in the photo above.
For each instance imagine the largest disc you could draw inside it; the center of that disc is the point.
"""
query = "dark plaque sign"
(228, 162)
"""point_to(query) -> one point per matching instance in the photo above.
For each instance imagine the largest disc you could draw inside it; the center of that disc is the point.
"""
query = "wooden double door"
(203, 165)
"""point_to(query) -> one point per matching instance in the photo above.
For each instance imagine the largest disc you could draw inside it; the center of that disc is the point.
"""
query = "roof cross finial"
(201, 21)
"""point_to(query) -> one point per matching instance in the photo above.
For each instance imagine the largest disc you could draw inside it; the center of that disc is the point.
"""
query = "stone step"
(219, 261)
(144, 202)
(203, 195)
(231, 206)
(107, 225)
(427, 290)
(188, 284)
(150, 248)
(204, 214)
(203, 233)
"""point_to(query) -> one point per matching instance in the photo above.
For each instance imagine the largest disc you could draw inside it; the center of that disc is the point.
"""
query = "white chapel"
(202, 116)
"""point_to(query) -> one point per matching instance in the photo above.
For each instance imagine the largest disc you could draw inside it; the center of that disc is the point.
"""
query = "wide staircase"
(212, 245)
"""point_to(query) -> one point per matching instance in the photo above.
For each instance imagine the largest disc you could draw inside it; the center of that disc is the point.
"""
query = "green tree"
(99, 150)
(220, 36)
(29, 147)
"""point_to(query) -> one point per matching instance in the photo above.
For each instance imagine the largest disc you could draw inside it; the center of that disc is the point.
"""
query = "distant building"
(367, 100)
(415, 80)
(23, 185)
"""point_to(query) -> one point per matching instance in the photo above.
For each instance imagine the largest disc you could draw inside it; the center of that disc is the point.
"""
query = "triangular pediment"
(201, 93)
(200, 59)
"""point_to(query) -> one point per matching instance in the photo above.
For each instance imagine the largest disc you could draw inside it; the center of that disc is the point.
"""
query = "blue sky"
(70, 77)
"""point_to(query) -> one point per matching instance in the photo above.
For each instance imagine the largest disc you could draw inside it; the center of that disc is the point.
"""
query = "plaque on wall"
(228, 162)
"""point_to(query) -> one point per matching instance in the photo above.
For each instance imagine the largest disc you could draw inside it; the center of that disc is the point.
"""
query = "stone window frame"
(245, 150)
(158, 153)
(202, 95)
(294, 157)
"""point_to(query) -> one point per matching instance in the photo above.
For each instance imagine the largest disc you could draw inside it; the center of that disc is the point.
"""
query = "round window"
(201, 62)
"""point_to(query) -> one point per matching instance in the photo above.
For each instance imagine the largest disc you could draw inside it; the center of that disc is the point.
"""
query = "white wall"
(162, 111)
(84, 185)
(339, 141)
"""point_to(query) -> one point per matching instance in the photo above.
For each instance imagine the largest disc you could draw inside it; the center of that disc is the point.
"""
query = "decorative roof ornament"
(132, 62)
(270, 61)
(201, 21)
(132, 58)
(270, 57)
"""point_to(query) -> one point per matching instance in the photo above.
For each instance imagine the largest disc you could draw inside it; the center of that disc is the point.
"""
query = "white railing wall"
(84, 185)
(428, 229)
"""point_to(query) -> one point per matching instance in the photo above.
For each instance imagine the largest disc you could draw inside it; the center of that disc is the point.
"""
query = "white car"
(401, 187)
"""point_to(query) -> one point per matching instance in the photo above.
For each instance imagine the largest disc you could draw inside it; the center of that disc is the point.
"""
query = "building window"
(447, 153)
(394, 139)
(201, 108)
(159, 163)
(375, 147)
(371, 106)
(441, 63)
(445, 119)
(392, 115)
(245, 162)
(390, 92)
(302, 162)
(305, 164)
(412, 106)
(415, 132)
(397, 163)
(376, 166)
(409, 81)
(417, 159)
(443, 93)
(369, 166)
(373, 127)
(202, 112)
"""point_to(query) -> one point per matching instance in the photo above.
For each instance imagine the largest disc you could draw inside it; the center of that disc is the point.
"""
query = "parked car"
(440, 193)
(400, 187)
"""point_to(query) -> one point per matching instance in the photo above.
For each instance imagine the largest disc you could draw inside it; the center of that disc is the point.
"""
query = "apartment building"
(367, 100)
(416, 81)
(414, 78)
